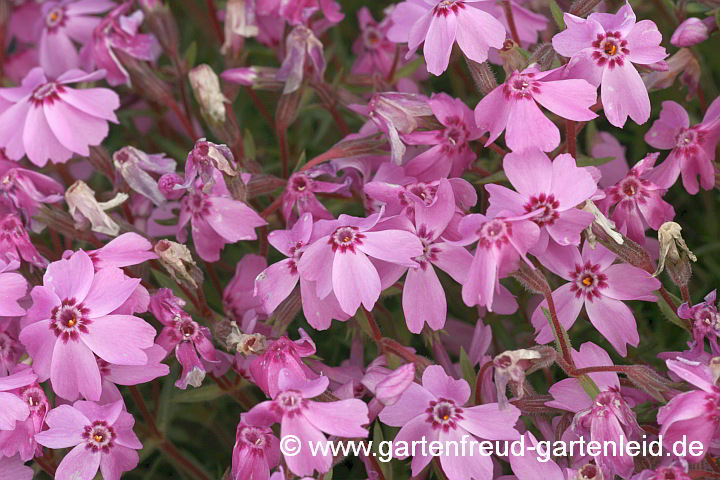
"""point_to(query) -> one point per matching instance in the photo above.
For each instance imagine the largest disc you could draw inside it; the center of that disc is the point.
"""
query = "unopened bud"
(143, 78)
(674, 252)
(176, 258)
(511, 56)
(693, 31)
(166, 185)
(607, 225)
(261, 78)
(85, 209)
(483, 76)
(206, 87)
(543, 56)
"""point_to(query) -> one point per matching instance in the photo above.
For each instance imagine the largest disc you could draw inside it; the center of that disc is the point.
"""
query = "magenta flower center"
(494, 233)
(588, 281)
(446, 6)
(712, 406)
(55, 18)
(99, 437)
(46, 93)
(430, 252)
(521, 86)
(253, 437)
(290, 402)
(443, 414)
(199, 204)
(345, 239)
(610, 49)
(300, 183)
(689, 140)
(456, 133)
(372, 38)
(186, 328)
(629, 190)
(547, 204)
(69, 320)
(34, 397)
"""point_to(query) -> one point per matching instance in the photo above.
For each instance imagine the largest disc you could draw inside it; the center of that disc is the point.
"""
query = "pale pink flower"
(513, 107)
(101, 436)
(125, 250)
(21, 439)
(554, 187)
(436, 411)
(116, 31)
(693, 31)
(15, 241)
(13, 468)
(239, 299)
(600, 286)
(68, 120)
(281, 355)
(216, 218)
(605, 145)
(300, 193)
(603, 49)
(11, 350)
(693, 148)
(309, 421)
(113, 375)
(72, 319)
(705, 321)
(12, 408)
(439, 24)
(13, 287)
(338, 261)
(64, 23)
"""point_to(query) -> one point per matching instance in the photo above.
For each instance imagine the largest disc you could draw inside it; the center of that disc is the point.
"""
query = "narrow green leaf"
(557, 14)
(494, 178)
(249, 145)
(668, 312)
(191, 54)
(584, 161)
(468, 371)
(329, 475)
(201, 394)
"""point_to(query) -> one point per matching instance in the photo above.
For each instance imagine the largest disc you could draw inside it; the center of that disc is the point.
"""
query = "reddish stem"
(214, 21)
(48, 468)
(479, 380)
(686, 295)
(507, 6)
(272, 207)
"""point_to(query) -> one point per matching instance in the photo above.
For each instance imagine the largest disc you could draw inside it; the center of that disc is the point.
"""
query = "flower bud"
(674, 253)
(693, 31)
(85, 209)
(262, 78)
(161, 22)
(166, 184)
(206, 87)
(682, 63)
(133, 166)
(543, 56)
(483, 76)
(175, 257)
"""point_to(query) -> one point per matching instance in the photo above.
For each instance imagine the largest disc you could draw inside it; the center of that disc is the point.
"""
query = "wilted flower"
(15, 241)
(239, 20)
(303, 48)
(85, 209)
(176, 258)
(673, 248)
(203, 160)
(133, 165)
(206, 87)
(511, 365)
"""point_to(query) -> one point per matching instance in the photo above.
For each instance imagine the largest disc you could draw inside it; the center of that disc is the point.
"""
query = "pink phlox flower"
(677, 469)
(65, 23)
(309, 421)
(527, 23)
(68, 120)
(239, 298)
(299, 194)
(299, 12)
(639, 201)
(605, 145)
(513, 107)
(600, 286)
(554, 188)
(72, 320)
(15, 241)
(123, 251)
(276, 283)
(450, 153)
(501, 242)
(20, 439)
(441, 23)
(603, 49)
(529, 466)
(256, 452)
(216, 218)
(117, 31)
(286, 355)
(692, 148)
(13, 468)
(12, 408)
(11, 350)
(705, 323)
(183, 335)
(21, 191)
(13, 287)
(436, 411)
(26, 23)
(691, 415)
(339, 261)
(113, 375)
(388, 385)
(101, 437)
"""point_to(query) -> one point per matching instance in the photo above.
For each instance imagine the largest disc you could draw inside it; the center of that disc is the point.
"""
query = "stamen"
(610, 48)
(587, 281)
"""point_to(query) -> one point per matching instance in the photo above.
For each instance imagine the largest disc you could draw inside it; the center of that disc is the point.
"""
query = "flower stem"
(507, 6)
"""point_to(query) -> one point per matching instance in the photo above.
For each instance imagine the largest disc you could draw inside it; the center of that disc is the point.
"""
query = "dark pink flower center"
(372, 38)
(199, 204)
(455, 134)
(689, 140)
(290, 403)
(631, 190)
(300, 183)
(712, 406)
(444, 8)
(443, 414)
(588, 281)
(46, 93)
(547, 204)
(345, 239)
(670, 473)
(610, 49)
(494, 233)
(69, 320)
(521, 86)
(34, 397)
(99, 437)
(430, 252)
(253, 437)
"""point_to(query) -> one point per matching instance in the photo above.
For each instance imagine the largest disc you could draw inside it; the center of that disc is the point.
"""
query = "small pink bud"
(693, 31)
(166, 185)
(389, 390)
